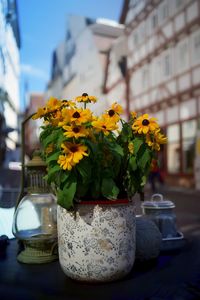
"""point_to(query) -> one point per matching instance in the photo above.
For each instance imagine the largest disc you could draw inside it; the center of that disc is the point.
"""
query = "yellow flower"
(131, 147)
(65, 162)
(155, 140)
(53, 103)
(144, 124)
(115, 108)
(55, 118)
(113, 112)
(75, 131)
(67, 103)
(81, 116)
(41, 112)
(133, 114)
(104, 124)
(86, 98)
(78, 116)
(73, 153)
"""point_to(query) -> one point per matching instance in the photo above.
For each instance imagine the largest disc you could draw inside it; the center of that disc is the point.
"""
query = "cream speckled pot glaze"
(97, 242)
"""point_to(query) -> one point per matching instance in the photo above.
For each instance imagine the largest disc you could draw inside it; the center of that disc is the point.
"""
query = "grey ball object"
(148, 239)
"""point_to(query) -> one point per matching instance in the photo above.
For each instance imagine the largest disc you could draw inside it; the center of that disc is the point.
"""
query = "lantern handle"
(22, 180)
(160, 196)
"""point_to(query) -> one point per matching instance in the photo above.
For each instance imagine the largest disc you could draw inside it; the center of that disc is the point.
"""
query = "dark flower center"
(76, 129)
(76, 115)
(84, 94)
(73, 149)
(111, 112)
(64, 102)
(104, 126)
(145, 122)
(54, 113)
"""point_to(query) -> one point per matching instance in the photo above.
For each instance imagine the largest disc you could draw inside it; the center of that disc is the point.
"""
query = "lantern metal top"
(36, 161)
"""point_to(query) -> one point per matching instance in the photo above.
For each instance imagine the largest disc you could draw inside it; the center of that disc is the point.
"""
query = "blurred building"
(79, 63)
(163, 75)
(9, 75)
(116, 75)
(32, 127)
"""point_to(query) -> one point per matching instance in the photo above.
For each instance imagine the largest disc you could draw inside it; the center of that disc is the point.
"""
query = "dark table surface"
(173, 276)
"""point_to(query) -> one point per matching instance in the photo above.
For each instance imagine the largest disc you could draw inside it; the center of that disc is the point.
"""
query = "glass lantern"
(35, 220)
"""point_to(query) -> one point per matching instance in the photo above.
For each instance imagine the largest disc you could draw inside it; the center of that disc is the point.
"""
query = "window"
(154, 21)
(172, 114)
(188, 109)
(135, 39)
(164, 12)
(167, 68)
(160, 116)
(189, 129)
(196, 46)
(179, 4)
(2, 63)
(173, 149)
(182, 55)
(144, 81)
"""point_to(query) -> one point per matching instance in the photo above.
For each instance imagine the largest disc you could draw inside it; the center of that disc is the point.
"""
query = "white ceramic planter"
(97, 242)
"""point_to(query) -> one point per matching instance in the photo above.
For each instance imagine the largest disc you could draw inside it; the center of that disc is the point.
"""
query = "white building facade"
(164, 71)
(9, 71)
(79, 62)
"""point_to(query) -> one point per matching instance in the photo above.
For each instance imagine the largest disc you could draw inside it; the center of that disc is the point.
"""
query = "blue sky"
(43, 26)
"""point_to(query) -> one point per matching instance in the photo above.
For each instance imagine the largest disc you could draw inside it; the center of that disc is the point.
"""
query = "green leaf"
(52, 137)
(144, 180)
(95, 187)
(109, 188)
(137, 144)
(66, 196)
(84, 169)
(64, 176)
(51, 173)
(117, 148)
(52, 157)
(132, 162)
(144, 159)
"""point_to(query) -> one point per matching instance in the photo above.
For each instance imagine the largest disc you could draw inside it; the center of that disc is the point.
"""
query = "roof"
(107, 28)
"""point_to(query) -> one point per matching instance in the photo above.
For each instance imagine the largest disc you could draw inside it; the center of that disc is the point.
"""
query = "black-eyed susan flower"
(67, 103)
(86, 98)
(155, 140)
(65, 162)
(55, 117)
(75, 115)
(105, 124)
(144, 124)
(41, 112)
(133, 114)
(114, 112)
(75, 131)
(53, 104)
(115, 109)
(81, 116)
(72, 154)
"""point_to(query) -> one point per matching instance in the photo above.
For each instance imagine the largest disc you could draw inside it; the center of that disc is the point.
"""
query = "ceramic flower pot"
(97, 242)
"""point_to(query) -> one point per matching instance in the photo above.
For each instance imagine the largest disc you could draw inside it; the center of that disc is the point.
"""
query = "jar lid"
(160, 203)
